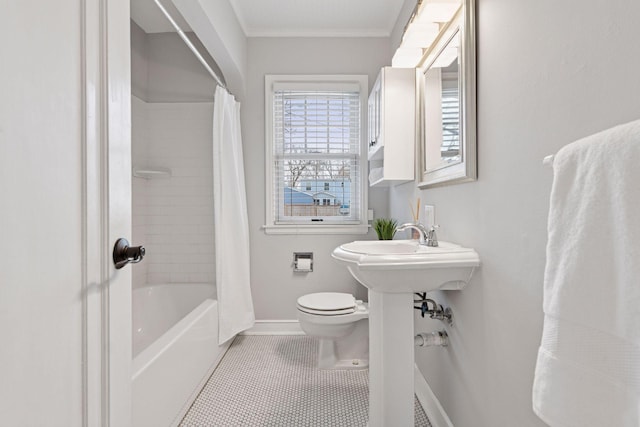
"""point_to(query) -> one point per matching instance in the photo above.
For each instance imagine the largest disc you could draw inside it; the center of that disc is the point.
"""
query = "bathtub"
(175, 349)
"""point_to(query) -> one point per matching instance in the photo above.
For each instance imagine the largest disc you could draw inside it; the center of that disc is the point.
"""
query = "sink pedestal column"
(391, 359)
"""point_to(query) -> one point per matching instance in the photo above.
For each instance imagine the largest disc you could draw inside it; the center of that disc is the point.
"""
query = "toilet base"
(351, 364)
(327, 357)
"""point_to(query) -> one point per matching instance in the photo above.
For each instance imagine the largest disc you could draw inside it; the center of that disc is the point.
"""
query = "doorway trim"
(106, 194)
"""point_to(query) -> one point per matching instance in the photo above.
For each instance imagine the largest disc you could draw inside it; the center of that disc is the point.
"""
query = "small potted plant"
(385, 228)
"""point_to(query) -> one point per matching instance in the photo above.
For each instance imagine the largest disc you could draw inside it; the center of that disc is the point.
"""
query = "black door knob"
(124, 254)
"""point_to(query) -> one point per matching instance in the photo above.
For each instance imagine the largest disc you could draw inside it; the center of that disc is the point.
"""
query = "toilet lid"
(326, 312)
(328, 303)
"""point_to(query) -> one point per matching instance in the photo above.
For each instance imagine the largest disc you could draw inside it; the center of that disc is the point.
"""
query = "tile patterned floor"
(273, 381)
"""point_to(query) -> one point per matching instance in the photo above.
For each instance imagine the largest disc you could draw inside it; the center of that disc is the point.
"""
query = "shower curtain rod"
(191, 46)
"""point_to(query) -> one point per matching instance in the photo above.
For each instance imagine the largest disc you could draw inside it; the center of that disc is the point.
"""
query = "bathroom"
(545, 79)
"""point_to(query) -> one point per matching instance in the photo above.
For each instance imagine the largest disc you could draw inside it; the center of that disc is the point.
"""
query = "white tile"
(273, 381)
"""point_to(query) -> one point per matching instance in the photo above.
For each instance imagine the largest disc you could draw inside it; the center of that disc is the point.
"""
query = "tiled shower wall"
(173, 216)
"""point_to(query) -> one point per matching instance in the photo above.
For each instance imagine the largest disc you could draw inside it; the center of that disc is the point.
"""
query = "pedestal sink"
(393, 270)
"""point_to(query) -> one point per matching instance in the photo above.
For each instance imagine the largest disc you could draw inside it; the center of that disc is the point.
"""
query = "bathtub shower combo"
(180, 327)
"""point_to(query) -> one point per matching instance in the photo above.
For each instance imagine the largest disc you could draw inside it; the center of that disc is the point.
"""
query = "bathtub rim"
(150, 354)
(160, 288)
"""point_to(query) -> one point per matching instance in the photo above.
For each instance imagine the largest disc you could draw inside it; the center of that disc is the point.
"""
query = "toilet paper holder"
(303, 262)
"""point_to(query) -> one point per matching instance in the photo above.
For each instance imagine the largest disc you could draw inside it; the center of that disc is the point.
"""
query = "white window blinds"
(316, 153)
(450, 148)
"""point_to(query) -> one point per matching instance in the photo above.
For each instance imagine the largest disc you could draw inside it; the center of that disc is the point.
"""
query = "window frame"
(334, 227)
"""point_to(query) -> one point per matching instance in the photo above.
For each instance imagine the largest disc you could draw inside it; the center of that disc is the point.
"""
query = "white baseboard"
(275, 327)
(430, 403)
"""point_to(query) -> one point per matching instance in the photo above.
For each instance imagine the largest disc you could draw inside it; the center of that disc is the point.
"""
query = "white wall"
(175, 74)
(548, 73)
(274, 286)
(164, 69)
(172, 217)
(139, 144)
(139, 61)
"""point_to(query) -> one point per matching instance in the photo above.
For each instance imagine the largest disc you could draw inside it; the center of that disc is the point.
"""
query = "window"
(314, 134)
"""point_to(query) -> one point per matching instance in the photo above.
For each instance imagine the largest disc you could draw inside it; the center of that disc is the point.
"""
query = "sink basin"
(382, 247)
(397, 266)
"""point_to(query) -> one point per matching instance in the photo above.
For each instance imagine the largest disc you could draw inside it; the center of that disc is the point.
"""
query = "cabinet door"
(392, 107)
(371, 141)
(374, 115)
(377, 98)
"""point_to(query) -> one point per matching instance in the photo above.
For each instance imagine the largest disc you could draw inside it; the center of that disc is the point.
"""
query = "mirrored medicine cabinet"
(447, 103)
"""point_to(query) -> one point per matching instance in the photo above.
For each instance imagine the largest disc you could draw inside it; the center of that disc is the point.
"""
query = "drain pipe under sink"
(436, 338)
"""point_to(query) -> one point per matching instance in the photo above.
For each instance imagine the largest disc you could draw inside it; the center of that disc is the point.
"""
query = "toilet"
(340, 322)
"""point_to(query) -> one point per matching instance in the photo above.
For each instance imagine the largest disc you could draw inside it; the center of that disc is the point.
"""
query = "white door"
(65, 312)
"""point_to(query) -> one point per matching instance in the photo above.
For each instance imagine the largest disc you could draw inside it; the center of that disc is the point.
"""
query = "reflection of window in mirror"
(442, 108)
(450, 151)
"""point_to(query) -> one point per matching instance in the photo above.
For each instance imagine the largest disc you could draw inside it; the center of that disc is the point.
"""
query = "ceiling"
(317, 18)
(290, 18)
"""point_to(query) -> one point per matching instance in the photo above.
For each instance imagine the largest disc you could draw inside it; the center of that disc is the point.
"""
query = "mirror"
(448, 104)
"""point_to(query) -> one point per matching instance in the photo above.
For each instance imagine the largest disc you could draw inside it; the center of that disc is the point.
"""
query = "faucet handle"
(432, 239)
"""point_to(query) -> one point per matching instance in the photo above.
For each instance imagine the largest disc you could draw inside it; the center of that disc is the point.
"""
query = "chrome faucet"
(427, 237)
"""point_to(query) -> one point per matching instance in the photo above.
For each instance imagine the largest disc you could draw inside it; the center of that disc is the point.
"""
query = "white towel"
(588, 367)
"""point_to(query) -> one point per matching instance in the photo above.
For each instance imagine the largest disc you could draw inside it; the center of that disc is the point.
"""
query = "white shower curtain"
(235, 307)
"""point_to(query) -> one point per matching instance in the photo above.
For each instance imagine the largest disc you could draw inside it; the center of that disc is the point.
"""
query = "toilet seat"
(327, 303)
(327, 312)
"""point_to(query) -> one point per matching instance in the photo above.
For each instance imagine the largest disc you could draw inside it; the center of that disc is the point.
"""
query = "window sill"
(316, 229)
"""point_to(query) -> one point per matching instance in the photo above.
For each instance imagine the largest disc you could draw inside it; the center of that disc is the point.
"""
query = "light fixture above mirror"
(429, 17)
